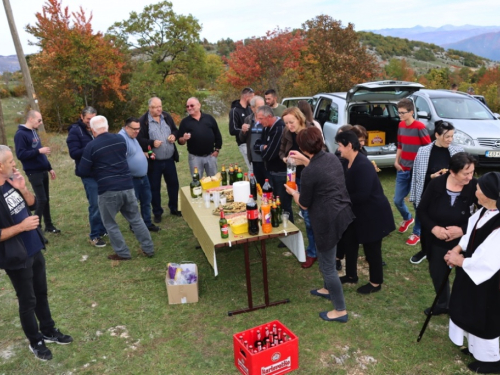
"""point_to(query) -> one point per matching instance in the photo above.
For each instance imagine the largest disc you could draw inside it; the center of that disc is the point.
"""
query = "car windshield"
(461, 108)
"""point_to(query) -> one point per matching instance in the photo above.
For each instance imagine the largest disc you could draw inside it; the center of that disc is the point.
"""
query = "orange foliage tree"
(75, 67)
(271, 61)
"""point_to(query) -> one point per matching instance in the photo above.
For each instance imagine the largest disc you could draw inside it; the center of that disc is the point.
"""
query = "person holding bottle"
(295, 122)
(324, 194)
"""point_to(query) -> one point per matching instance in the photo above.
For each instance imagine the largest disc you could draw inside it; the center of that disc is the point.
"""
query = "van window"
(324, 111)
(422, 105)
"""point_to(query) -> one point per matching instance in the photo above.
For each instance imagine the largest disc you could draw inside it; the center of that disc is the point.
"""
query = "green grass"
(122, 323)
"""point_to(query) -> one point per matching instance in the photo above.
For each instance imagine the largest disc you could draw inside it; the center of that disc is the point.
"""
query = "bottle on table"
(239, 175)
(266, 216)
(280, 209)
(231, 175)
(274, 216)
(252, 217)
(195, 185)
(291, 173)
(223, 174)
(224, 228)
(267, 191)
(245, 177)
(253, 185)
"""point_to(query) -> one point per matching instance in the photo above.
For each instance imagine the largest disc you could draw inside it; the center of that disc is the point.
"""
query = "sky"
(239, 20)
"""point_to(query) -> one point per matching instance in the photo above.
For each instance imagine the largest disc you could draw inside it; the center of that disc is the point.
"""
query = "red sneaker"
(309, 262)
(413, 240)
(405, 224)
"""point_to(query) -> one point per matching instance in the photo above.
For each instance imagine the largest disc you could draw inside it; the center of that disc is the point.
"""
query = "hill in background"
(9, 64)
(482, 45)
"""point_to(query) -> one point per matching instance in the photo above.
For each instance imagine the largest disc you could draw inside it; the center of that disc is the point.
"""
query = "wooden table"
(205, 227)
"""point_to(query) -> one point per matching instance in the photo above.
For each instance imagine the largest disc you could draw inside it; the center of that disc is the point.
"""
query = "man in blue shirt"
(21, 244)
(105, 159)
(138, 165)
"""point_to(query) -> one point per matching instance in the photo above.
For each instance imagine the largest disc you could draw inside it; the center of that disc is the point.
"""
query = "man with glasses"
(79, 135)
(35, 163)
(412, 135)
(201, 133)
(158, 134)
(138, 165)
(239, 110)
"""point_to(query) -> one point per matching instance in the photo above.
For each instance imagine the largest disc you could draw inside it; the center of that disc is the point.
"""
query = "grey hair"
(254, 100)
(3, 150)
(266, 111)
(99, 122)
(151, 99)
(89, 111)
(31, 113)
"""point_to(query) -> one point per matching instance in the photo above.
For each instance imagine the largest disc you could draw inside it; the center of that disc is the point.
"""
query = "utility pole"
(22, 60)
(3, 135)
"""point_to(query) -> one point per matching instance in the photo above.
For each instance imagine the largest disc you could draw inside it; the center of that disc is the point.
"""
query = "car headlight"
(462, 138)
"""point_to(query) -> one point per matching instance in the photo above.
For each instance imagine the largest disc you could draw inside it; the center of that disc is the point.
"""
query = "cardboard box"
(375, 138)
(187, 293)
(280, 359)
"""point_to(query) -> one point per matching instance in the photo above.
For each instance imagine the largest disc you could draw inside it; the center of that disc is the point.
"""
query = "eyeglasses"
(402, 113)
(134, 129)
(190, 106)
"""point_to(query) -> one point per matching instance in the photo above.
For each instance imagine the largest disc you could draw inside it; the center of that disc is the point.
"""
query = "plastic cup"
(284, 218)
(216, 198)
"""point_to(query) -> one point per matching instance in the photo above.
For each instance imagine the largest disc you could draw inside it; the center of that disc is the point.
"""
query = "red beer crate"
(280, 359)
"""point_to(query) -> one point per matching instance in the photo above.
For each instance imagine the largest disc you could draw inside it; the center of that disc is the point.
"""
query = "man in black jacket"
(158, 134)
(21, 244)
(239, 110)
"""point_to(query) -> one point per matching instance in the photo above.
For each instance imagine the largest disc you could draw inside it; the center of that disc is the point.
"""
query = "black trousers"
(30, 284)
(373, 253)
(40, 184)
(438, 269)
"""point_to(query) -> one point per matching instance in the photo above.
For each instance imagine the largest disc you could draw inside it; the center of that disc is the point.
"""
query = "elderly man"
(201, 132)
(79, 135)
(270, 147)
(21, 244)
(272, 101)
(158, 134)
(33, 157)
(138, 165)
(239, 110)
(250, 132)
(105, 159)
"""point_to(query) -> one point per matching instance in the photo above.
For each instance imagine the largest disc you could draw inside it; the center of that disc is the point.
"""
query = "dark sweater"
(205, 134)
(27, 145)
(435, 209)
(271, 137)
(237, 116)
(105, 159)
(78, 138)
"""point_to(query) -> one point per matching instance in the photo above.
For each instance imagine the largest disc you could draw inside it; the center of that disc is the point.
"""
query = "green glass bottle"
(195, 185)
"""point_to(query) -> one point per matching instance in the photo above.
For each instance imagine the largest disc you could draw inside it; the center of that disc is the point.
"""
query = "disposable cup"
(284, 218)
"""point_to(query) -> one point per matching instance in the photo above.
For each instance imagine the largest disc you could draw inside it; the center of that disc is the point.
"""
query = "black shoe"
(368, 288)
(348, 280)
(45, 241)
(418, 257)
(98, 242)
(176, 213)
(480, 367)
(41, 351)
(437, 311)
(153, 228)
(57, 336)
(338, 265)
(52, 229)
(143, 253)
(157, 219)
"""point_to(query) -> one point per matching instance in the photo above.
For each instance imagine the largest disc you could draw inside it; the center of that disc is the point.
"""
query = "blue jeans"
(142, 191)
(96, 226)
(167, 169)
(403, 185)
(311, 248)
(112, 202)
(278, 181)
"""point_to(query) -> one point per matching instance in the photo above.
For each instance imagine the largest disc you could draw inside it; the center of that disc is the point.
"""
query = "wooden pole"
(3, 134)
(28, 83)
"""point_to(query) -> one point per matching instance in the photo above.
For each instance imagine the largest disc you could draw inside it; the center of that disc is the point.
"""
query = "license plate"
(493, 154)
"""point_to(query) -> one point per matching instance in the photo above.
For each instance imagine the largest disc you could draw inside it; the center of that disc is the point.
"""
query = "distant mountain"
(487, 45)
(9, 64)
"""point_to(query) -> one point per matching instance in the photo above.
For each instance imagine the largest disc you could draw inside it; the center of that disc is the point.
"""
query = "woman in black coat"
(374, 219)
(444, 210)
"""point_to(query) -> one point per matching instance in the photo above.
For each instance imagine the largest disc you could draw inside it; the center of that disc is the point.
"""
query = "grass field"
(119, 316)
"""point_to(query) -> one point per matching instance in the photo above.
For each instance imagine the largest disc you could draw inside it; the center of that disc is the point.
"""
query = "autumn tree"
(271, 61)
(75, 68)
(169, 55)
(400, 70)
(335, 58)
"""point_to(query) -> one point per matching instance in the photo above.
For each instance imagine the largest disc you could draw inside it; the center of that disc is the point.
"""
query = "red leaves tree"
(76, 67)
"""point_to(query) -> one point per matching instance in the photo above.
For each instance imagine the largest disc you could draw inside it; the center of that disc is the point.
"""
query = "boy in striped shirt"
(412, 134)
